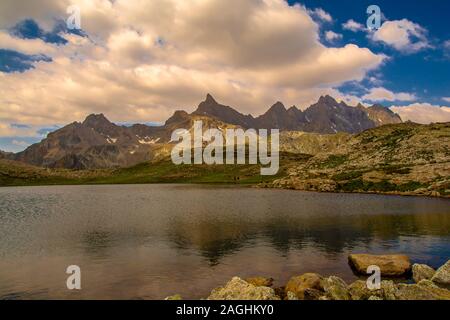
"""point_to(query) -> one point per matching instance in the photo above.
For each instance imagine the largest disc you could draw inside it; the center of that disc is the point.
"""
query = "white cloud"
(446, 99)
(424, 113)
(403, 35)
(332, 36)
(321, 14)
(13, 11)
(354, 26)
(383, 94)
(240, 58)
(375, 81)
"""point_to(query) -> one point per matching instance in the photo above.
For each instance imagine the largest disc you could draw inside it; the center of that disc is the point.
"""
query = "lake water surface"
(151, 241)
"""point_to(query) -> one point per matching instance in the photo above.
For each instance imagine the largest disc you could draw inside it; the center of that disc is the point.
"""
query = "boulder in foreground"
(306, 287)
(442, 275)
(260, 281)
(238, 289)
(390, 265)
(424, 290)
(336, 289)
(422, 272)
(359, 291)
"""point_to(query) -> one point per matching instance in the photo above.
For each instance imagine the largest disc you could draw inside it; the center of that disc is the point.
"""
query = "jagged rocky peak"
(382, 115)
(99, 143)
(277, 108)
(379, 107)
(178, 116)
(210, 99)
(210, 107)
(101, 124)
(276, 111)
(327, 99)
(96, 120)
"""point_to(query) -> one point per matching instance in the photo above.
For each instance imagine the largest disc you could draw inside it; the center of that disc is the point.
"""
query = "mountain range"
(99, 143)
(325, 116)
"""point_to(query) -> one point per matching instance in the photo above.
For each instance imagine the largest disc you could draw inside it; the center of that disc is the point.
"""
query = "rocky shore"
(426, 283)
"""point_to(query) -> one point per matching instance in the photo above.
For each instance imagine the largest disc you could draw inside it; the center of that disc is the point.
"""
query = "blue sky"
(426, 72)
(140, 61)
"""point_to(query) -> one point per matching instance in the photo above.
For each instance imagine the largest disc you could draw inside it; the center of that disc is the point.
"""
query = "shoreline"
(239, 185)
(414, 282)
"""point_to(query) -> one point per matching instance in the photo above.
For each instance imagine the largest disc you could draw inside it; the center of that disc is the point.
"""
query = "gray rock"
(424, 290)
(389, 290)
(238, 289)
(442, 275)
(336, 288)
(260, 281)
(312, 294)
(359, 291)
(422, 272)
(303, 286)
(390, 265)
(291, 296)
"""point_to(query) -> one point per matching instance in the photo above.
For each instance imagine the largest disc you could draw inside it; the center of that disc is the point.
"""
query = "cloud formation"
(321, 14)
(332, 36)
(423, 113)
(354, 26)
(145, 59)
(403, 35)
(383, 94)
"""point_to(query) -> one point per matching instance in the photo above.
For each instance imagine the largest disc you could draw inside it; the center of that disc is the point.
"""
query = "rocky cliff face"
(326, 116)
(95, 143)
(226, 114)
(98, 143)
(278, 117)
(329, 116)
(381, 115)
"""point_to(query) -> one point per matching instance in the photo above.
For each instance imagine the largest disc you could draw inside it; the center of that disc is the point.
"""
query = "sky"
(141, 60)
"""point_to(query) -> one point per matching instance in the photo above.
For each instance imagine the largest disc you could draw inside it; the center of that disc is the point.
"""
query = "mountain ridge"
(404, 159)
(325, 116)
(98, 143)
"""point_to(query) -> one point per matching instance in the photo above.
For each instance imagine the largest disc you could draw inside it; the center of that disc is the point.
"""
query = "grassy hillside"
(403, 158)
(163, 171)
(13, 173)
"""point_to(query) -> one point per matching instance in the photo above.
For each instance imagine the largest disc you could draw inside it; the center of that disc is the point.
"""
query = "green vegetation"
(17, 174)
(350, 175)
(380, 186)
(397, 135)
(167, 172)
(333, 161)
(395, 169)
